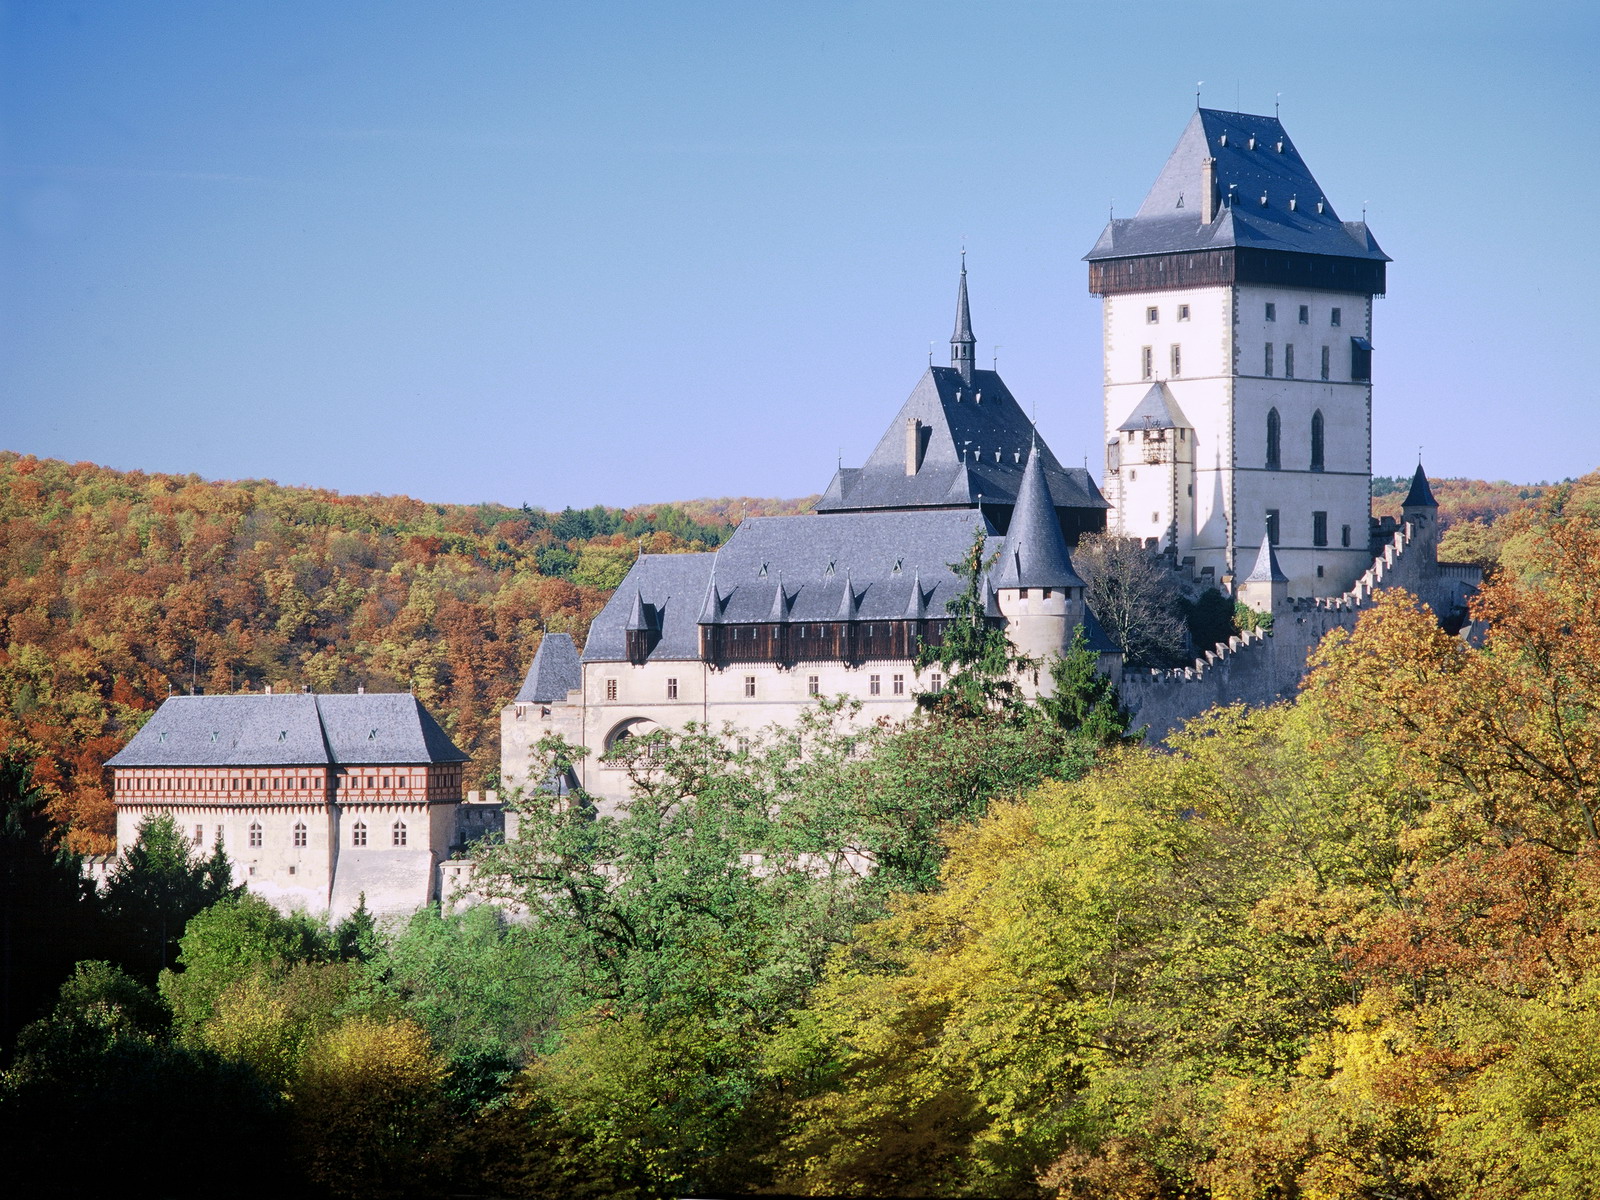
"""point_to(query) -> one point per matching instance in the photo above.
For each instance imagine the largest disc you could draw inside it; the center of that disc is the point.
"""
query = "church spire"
(963, 346)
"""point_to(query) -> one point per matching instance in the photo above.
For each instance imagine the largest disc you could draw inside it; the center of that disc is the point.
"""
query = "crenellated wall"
(1261, 668)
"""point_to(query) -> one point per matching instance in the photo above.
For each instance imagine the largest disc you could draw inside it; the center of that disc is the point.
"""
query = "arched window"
(299, 833)
(255, 835)
(1316, 440)
(358, 835)
(1274, 439)
(399, 833)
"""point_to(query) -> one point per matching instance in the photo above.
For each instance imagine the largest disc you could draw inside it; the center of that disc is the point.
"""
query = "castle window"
(1361, 359)
(399, 834)
(813, 685)
(937, 682)
(1319, 570)
(1305, 314)
(1316, 440)
(1177, 361)
(1333, 318)
(199, 834)
(1266, 366)
(1325, 359)
(358, 835)
(874, 685)
(672, 687)
(255, 836)
(1272, 526)
(1047, 592)
(1288, 361)
(372, 781)
(611, 689)
(1272, 311)
(899, 685)
(386, 781)
(1152, 315)
(1147, 362)
(219, 835)
(749, 687)
(1344, 535)
(1319, 529)
(1183, 312)
(1274, 440)
(277, 784)
(299, 833)
(1023, 593)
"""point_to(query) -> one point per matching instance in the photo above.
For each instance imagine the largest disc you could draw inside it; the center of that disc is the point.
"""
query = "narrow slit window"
(1274, 440)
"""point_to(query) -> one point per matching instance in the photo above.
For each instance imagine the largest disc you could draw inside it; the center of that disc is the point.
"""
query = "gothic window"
(1316, 440)
(255, 836)
(299, 833)
(399, 833)
(1274, 439)
(1266, 368)
(358, 835)
(1319, 529)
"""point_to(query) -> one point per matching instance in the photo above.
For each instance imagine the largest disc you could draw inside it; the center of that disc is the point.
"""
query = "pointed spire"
(849, 603)
(780, 603)
(1035, 554)
(636, 619)
(917, 604)
(1266, 569)
(711, 609)
(1420, 495)
(963, 346)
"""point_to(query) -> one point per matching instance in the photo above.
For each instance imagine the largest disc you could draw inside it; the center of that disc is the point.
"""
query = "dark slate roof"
(1034, 554)
(1420, 495)
(676, 587)
(977, 437)
(1169, 219)
(963, 331)
(1096, 636)
(1158, 410)
(892, 563)
(1266, 569)
(293, 730)
(556, 670)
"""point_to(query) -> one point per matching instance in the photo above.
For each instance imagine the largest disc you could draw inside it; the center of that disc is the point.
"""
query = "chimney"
(361, 691)
(913, 445)
(269, 689)
(1208, 190)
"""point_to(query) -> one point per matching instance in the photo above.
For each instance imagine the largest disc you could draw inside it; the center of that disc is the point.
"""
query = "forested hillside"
(117, 587)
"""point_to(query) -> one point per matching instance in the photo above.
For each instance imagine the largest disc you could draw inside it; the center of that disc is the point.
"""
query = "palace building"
(317, 800)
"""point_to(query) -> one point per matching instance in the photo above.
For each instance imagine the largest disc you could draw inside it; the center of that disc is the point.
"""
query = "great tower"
(1238, 360)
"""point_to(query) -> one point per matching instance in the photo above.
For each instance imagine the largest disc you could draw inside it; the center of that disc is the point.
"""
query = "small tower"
(1038, 593)
(963, 346)
(1266, 588)
(1421, 511)
(1150, 466)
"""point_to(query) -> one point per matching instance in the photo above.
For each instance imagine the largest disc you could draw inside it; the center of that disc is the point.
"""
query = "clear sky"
(587, 252)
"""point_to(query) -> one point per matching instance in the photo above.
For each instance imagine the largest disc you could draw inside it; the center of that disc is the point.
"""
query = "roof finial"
(1277, 98)
(994, 359)
(1198, 85)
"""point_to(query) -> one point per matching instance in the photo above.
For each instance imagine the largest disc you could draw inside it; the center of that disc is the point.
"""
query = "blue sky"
(616, 253)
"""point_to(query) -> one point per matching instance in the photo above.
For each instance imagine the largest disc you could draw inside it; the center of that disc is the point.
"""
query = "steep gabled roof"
(1158, 410)
(976, 436)
(293, 730)
(1420, 495)
(1034, 553)
(1254, 159)
(555, 670)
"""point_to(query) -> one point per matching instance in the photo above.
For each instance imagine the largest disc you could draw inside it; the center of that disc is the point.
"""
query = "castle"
(1237, 399)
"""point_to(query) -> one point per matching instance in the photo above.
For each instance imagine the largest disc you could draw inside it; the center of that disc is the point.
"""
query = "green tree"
(979, 664)
(157, 885)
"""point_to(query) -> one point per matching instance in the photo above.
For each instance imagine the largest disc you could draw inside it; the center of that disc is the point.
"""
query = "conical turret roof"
(963, 331)
(1420, 495)
(1266, 569)
(1034, 554)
